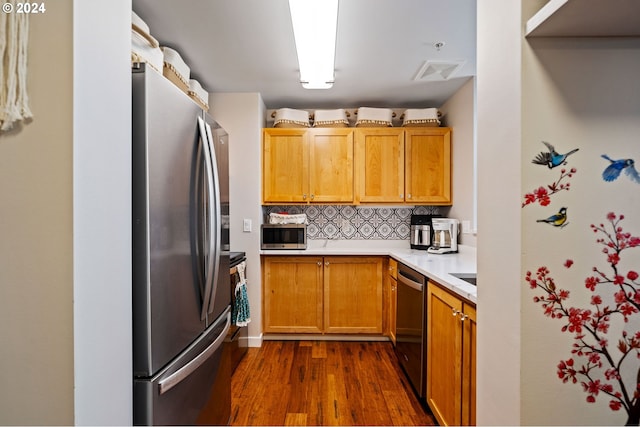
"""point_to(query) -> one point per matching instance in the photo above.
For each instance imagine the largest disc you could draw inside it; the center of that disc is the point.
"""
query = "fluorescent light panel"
(314, 28)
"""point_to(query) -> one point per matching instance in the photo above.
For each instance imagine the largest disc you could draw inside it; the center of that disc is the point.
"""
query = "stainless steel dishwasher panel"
(411, 326)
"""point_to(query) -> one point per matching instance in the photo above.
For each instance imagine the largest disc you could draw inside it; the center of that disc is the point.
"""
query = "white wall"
(577, 93)
(459, 113)
(242, 116)
(498, 135)
(36, 225)
(102, 212)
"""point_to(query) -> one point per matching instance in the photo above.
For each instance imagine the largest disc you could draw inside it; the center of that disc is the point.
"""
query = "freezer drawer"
(194, 389)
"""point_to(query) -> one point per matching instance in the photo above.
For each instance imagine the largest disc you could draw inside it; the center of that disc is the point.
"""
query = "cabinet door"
(353, 294)
(292, 294)
(285, 166)
(330, 165)
(469, 366)
(428, 166)
(379, 165)
(444, 355)
(393, 298)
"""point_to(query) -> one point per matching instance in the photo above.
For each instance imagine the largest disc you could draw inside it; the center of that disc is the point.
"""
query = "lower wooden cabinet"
(392, 298)
(308, 294)
(451, 355)
(292, 294)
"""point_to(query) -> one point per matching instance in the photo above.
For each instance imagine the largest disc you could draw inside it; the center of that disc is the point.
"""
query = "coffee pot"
(421, 232)
(445, 236)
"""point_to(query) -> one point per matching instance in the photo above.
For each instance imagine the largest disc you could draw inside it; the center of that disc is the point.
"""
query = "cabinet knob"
(409, 196)
(304, 197)
(401, 195)
(326, 263)
(319, 263)
(312, 196)
(454, 312)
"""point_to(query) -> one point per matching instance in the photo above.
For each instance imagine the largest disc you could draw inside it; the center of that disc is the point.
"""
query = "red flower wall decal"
(542, 194)
(596, 363)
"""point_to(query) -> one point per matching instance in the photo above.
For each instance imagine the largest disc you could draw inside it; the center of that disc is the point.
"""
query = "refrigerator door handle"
(210, 256)
(217, 225)
(181, 374)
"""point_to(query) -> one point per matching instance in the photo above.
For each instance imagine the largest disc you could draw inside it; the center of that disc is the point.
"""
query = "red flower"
(596, 300)
(632, 275)
(591, 283)
(615, 405)
(529, 198)
(568, 263)
(627, 310)
(611, 374)
(566, 371)
(611, 216)
(613, 258)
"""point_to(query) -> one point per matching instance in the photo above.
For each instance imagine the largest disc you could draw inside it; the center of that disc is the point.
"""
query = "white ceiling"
(247, 46)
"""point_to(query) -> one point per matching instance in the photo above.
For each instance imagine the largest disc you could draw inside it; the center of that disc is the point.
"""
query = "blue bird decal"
(552, 158)
(612, 172)
(557, 220)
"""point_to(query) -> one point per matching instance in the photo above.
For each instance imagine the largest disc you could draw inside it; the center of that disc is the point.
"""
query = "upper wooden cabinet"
(384, 165)
(307, 165)
(403, 165)
(428, 166)
(379, 165)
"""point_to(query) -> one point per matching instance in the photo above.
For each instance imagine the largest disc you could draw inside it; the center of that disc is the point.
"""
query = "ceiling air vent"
(438, 70)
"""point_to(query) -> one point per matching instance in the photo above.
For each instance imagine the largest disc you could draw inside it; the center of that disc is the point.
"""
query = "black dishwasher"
(411, 331)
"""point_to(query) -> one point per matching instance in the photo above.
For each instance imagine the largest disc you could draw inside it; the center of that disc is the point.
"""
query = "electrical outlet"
(246, 225)
(466, 227)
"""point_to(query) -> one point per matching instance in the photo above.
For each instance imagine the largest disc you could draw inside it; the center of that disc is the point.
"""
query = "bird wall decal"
(557, 220)
(552, 158)
(612, 172)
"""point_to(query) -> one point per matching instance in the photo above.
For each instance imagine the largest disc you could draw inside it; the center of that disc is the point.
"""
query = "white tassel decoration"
(14, 41)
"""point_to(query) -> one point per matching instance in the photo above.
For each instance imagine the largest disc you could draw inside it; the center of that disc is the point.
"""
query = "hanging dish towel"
(241, 314)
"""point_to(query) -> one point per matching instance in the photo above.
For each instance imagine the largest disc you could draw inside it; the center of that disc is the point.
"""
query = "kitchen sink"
(467, 277)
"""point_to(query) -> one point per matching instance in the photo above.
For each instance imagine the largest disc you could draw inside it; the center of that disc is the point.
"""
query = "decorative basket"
(175, 69)
(144, 48)
(425, 117)
(374, 117)
(276, 218)
(198, 94)
(290, 118)
(330, 118)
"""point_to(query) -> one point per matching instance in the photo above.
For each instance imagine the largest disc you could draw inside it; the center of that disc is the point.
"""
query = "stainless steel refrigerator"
(181, 289)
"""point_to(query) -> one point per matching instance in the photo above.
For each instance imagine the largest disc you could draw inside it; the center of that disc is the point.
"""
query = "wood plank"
(328, 383)
(295, 419)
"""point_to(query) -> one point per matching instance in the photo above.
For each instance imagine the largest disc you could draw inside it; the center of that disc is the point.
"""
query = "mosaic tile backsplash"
(356, 222)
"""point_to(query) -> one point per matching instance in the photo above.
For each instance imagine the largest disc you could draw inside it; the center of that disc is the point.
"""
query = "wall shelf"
(586, 18)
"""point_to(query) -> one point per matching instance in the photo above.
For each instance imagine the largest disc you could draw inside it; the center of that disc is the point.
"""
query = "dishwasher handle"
(409, 281)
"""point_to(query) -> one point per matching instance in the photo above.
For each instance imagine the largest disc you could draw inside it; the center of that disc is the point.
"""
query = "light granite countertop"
(436, 267)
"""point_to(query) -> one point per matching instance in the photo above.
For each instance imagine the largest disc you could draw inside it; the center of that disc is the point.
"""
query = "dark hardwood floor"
(323, 383)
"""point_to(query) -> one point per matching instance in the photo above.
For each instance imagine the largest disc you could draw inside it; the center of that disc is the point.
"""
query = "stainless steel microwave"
(283, 236)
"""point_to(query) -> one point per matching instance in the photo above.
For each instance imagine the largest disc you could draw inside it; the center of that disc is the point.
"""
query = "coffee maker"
(421, 231)
(445, 236)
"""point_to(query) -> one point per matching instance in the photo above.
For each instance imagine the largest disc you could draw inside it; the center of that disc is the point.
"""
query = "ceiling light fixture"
(314, 28)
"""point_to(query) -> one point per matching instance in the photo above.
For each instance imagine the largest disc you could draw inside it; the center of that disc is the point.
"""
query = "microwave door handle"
(216, 223)
(209, 220)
